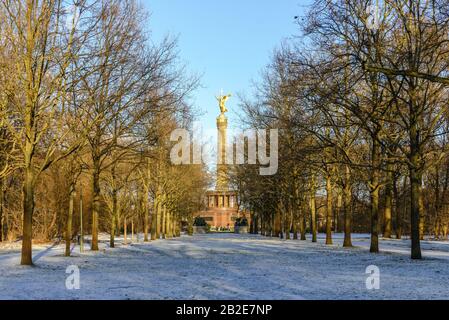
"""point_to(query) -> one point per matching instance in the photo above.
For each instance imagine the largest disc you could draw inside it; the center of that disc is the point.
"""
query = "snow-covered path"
(227, 266)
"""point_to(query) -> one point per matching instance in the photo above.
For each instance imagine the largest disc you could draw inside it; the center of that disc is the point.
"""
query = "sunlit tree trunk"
(313, 211)
(2, 203)
(190, 226)
(95, 202)
(421, 214)
(251, 225)
(164, 221)
(146, 217)
(277, 223)
(125, 232)
(68, 233)
(114, 221)
(170, 224)
(436, 229)
(173, 225)
(388, 202)
(154, 218)
(158, 218)
(28, 209)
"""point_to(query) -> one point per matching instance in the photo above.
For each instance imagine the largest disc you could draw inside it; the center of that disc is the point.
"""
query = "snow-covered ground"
(227, 266)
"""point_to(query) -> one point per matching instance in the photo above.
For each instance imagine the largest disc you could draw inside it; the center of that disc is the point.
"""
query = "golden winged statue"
(222, 102)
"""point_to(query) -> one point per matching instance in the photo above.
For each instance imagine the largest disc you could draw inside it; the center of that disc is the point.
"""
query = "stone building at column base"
(221, 209)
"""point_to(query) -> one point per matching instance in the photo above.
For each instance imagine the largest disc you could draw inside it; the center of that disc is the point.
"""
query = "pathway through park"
(228, 266)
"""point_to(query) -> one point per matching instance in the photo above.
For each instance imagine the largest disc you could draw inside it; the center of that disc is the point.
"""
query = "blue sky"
(228, 42)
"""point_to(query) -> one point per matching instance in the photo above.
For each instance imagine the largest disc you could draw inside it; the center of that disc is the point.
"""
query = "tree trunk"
(154, 218)
(277, 223)
(132, 231)
(28, 209)
(287, 223)
(2, 201)
(170, 224)
(388, 202)
(396, 208)
(190, 226)
(114, 221)
(256, 223)
(146, 215)
(347, 201)
(415, 172)
(177, 226)
(313, 215)
(329, 210)
(173, 225)
(95, 204)
(336, 211)
(170, 216)
(421, 214)
(293, 214)
(374, 195)
(251, 218)
(125, 232)
(164, 222)
(81, 223)
(158, 220)
(267, 224)
(437, 229)
(415, 183)
(303, 222)
(68, 233)
(281, 223)
(112, 232)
